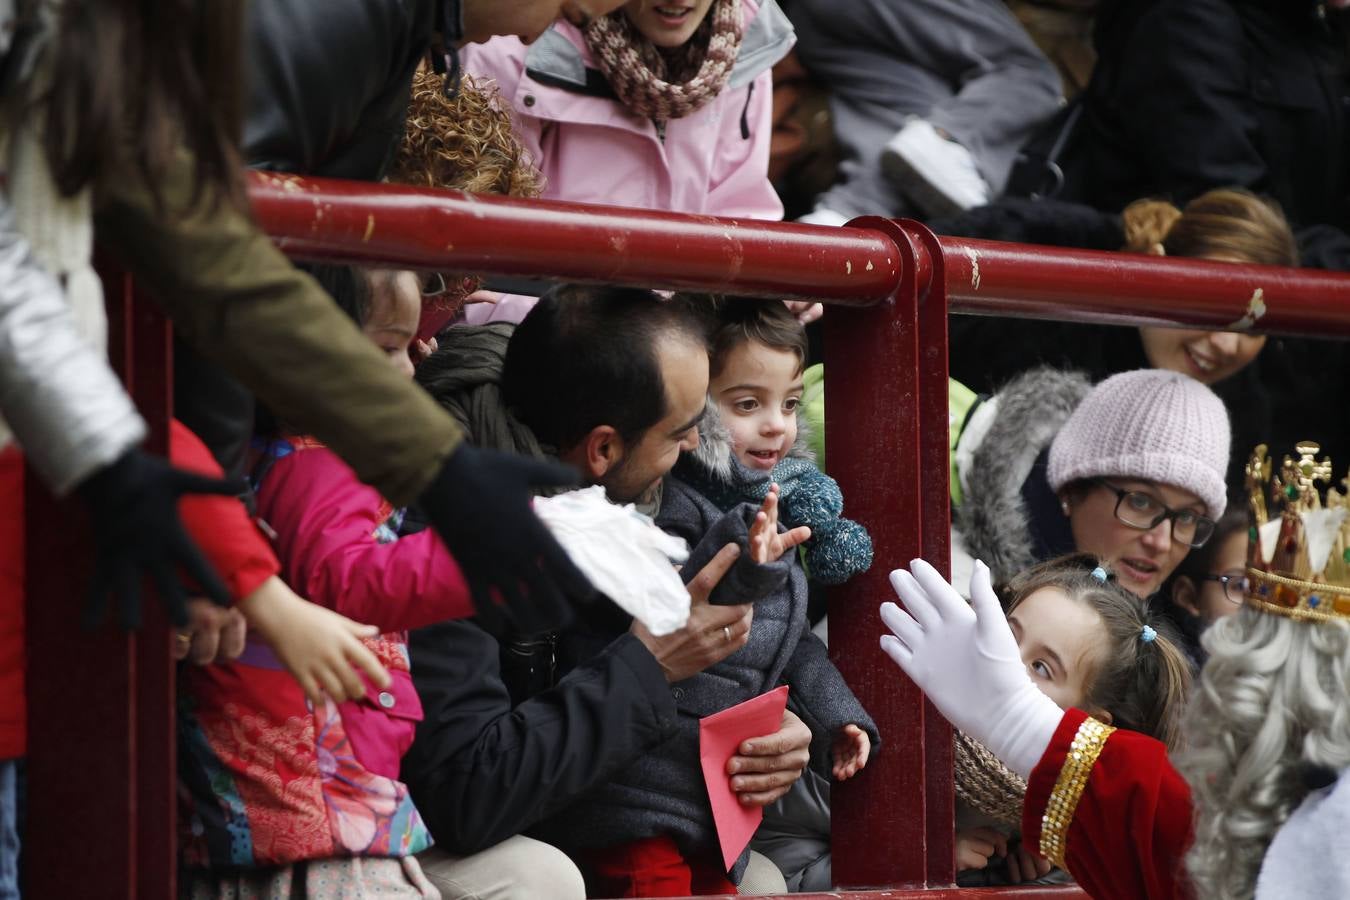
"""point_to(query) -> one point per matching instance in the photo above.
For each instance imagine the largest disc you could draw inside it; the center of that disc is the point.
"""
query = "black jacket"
(481, 770)
(329, 82)
(1189, 95)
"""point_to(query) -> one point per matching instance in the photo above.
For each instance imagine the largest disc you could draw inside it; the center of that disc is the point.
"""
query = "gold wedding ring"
(726, 633)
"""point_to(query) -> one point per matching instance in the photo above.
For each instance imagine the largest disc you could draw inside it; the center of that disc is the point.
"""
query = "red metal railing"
(102, 815)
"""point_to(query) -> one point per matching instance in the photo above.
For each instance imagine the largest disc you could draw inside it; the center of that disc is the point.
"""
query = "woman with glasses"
(1131, 471)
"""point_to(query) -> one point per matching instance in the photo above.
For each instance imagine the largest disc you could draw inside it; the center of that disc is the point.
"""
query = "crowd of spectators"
(396, 680)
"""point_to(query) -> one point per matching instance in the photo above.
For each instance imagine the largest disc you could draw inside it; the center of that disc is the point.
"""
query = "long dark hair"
(144, 78)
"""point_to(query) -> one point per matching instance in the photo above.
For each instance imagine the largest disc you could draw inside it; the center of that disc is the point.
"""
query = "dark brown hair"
(740, 320)
(1227, 222)
(135, 81)
(1142, 683)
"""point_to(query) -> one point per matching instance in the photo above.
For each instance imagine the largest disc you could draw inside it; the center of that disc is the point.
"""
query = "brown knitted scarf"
(667, 84)
(984, 783)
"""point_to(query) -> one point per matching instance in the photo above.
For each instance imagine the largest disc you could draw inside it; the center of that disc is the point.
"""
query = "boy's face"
(757, 394)
(395, 311)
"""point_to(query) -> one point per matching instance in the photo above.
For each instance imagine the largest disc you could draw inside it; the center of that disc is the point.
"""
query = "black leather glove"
(517, 573)
(133, 506)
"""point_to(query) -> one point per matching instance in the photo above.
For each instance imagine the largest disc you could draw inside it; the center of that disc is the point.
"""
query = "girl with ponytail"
(1089, 644)
(1225, 225)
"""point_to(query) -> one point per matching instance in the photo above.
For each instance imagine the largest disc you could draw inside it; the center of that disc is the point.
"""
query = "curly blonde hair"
(464, 142)
(1273, 700)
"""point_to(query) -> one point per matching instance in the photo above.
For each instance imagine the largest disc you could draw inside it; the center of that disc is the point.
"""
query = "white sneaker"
(937, 174)
(823, 216)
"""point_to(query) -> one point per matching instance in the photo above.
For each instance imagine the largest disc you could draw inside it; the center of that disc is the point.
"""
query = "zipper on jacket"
(660, 129)
(745, 113)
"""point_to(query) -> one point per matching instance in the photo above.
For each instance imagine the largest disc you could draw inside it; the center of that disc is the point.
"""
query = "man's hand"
(480, 506)
(767, 767)
(766, 543)
(712, 633)
(213, 633)
(976, 846)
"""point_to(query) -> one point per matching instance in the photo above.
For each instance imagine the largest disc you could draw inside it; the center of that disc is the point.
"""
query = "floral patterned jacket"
(267, 778)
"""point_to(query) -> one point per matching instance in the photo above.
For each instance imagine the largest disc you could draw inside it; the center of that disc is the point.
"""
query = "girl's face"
(667, 23)
(1206, 356)
(1061, 641)
(757, 395)
(395, 310)
(1207, 598)
(1142, 560)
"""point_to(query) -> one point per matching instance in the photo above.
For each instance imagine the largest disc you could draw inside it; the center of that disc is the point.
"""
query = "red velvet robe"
(1133, 823)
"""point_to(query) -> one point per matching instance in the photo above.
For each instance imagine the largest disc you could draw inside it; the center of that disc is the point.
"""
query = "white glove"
(966, 660)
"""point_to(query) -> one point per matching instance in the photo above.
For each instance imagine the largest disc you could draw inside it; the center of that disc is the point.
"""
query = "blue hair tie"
(1100, 574)
(1148, 635)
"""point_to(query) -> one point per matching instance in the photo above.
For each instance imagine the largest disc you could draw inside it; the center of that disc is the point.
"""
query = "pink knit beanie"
(1150, 424)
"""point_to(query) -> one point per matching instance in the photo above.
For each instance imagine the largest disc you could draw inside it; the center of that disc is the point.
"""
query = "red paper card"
(720, 736)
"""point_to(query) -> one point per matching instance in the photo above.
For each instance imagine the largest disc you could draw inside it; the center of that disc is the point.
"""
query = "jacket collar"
(555, 59)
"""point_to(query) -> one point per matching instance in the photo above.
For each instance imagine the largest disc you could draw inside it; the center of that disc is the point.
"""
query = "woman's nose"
(1225, 342)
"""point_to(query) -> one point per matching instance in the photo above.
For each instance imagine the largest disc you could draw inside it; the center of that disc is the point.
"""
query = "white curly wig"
(1274, 698)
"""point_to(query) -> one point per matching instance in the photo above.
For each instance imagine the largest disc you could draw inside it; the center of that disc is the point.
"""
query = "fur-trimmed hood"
(713, 452)
(838, 548)
(1018, 424)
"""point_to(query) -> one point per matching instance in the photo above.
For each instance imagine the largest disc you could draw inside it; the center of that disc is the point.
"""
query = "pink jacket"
(591, 149)
(335, 547)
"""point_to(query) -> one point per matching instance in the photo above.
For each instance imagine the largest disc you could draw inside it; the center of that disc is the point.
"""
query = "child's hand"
(851, 749)
(1024, 865)
(976, 846)
(766, 544)
(319, 647)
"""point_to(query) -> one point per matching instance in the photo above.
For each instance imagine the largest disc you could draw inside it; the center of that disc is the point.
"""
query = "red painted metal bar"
(423, 228)
(101, 742)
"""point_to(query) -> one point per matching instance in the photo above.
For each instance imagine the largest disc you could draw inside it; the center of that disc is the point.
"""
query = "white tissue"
(623, 553)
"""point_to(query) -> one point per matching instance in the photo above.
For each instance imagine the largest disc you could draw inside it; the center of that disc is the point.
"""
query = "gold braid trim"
(1073, 777)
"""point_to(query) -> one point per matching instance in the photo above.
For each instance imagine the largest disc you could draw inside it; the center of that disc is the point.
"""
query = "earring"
(1064, 505)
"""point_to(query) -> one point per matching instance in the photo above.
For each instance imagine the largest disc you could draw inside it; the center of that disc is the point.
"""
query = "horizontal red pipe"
(986, 277)
(423, 228)
(419, 228)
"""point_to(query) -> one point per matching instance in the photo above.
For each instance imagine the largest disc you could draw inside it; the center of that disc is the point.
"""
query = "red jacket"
(1133, 823)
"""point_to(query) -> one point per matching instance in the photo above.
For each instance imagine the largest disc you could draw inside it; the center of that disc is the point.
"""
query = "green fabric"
(813, 409)
(960, 400)
(232, 293)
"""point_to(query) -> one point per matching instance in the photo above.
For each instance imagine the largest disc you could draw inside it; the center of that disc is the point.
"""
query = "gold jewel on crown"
(1298, 548)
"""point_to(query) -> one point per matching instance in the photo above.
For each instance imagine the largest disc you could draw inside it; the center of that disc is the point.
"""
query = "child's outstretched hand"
(319, 647)
(766, 544)
(1025, 865)
(851, 749)
(976, 846)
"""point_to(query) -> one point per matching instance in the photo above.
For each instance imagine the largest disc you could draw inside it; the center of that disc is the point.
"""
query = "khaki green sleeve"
(232, 294)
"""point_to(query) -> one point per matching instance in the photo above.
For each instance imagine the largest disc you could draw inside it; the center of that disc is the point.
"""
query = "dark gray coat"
(662, 793)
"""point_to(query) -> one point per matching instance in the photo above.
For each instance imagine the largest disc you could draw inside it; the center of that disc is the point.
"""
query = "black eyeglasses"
(1234, 586)
(1144, 511)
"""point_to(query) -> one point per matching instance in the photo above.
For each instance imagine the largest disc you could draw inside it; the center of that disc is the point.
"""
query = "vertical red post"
(935, 515)
(100, 754)
(874, 421)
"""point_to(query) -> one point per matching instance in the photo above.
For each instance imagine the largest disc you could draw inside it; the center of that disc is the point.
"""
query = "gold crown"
(1298, 549)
